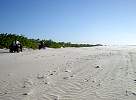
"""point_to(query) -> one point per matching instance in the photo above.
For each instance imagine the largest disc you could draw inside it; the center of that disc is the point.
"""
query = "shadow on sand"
(3, 52)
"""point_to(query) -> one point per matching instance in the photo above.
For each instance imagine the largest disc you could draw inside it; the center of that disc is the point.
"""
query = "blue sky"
(77, 21)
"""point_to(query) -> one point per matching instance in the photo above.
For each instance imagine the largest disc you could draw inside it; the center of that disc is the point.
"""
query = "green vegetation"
(6, 39)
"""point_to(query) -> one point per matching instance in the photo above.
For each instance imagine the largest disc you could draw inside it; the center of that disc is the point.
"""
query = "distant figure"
(19, 45)
(15, 46)
(41, 46)
(17, 42)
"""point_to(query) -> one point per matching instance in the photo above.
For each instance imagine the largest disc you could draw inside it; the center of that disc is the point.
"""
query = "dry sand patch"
(98, 73)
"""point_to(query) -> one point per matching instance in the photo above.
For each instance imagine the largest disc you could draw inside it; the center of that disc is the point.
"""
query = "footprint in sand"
(65, 77)
(68, 71)
(2, 93)
(40, 76)
(29, 93)
(27, 83)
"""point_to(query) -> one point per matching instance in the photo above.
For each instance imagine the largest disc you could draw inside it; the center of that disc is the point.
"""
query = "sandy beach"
(95, 73)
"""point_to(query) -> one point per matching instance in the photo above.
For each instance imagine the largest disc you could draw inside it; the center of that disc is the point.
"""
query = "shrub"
(6, 39)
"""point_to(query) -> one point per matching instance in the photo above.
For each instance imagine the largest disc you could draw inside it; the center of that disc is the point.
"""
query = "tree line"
(7, 38)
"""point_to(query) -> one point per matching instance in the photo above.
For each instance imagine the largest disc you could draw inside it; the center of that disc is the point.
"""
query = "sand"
(95, 73)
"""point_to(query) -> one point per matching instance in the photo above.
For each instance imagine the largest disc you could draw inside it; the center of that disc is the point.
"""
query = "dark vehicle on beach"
(16, 46)
(42, 45)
